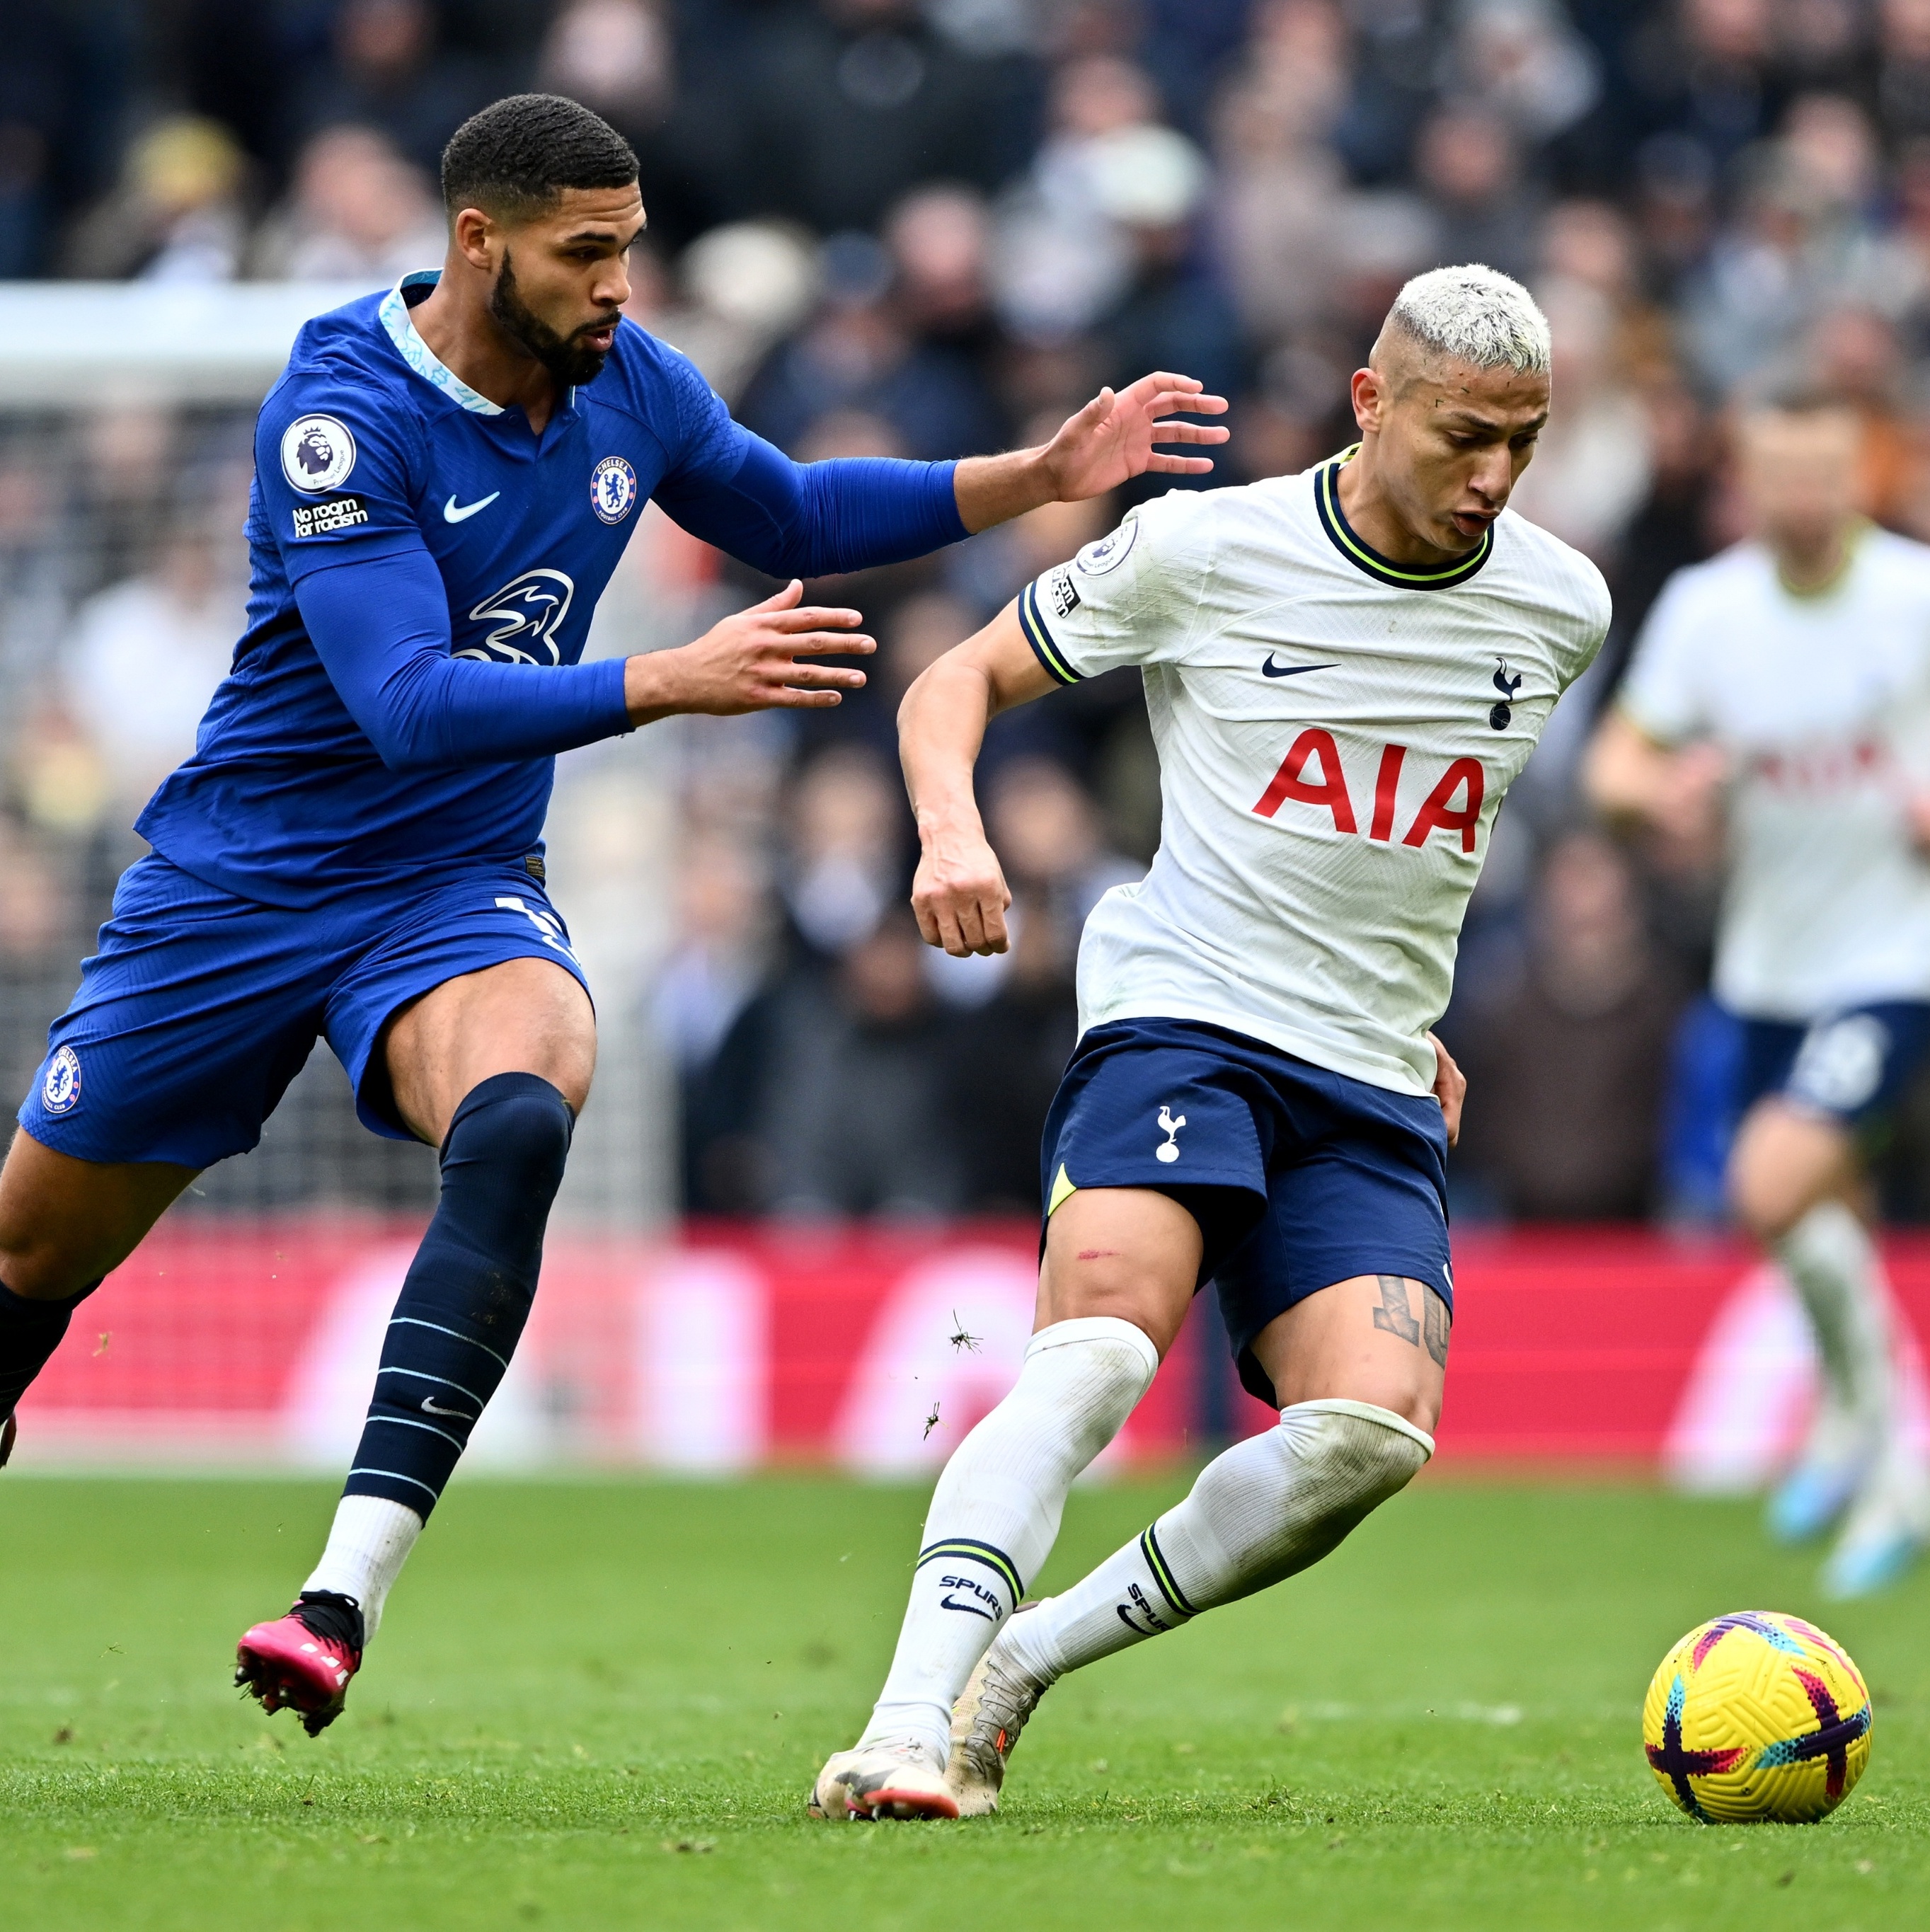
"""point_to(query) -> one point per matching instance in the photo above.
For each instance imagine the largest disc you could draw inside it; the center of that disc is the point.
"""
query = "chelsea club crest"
(60, 1091)
(613, 489)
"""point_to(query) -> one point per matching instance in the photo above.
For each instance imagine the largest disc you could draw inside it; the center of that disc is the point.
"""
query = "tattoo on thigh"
(1393, 1316)
(1434, 1311)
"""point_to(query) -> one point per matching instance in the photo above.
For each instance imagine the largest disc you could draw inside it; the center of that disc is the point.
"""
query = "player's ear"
(1370, 398)
(470, 234)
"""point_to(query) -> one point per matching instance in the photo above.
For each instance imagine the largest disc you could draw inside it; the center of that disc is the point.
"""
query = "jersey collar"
(417, 353)
(1363, 557)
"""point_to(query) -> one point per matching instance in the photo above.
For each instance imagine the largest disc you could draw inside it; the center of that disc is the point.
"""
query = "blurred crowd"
(931, 227)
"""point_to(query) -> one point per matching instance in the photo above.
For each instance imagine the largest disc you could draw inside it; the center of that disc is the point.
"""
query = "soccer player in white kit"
(1345, 671)
(1784, 682)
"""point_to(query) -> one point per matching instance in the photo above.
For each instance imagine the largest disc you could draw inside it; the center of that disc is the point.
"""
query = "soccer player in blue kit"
(445, 477)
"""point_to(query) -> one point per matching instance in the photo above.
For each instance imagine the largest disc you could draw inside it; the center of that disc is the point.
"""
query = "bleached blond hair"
(1477, 315)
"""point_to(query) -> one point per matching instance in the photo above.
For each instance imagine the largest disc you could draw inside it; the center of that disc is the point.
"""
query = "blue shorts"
(199, 1007)
(1299, 1177)
(1850, 1065)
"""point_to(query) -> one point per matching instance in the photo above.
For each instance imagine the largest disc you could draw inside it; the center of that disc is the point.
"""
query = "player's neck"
(466, 339)
(1810, 569)
(1372, 517)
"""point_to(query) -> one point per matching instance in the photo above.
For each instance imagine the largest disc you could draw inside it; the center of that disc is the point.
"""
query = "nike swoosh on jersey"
(1270, 669)
(451, 514)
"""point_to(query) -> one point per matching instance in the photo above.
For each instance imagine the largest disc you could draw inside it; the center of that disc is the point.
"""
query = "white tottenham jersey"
(1819, 702)
(1336, 733)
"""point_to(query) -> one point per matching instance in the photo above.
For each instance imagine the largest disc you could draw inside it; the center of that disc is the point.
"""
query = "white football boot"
(900, 1778)
(1886, 1530)
(991, 1712)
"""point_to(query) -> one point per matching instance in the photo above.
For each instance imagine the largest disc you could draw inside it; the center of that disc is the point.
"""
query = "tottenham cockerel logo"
(527, 612)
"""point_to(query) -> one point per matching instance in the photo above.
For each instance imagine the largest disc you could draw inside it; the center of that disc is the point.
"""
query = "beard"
(570, 362)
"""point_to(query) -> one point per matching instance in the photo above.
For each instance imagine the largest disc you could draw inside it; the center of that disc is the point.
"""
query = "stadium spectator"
(386, 71)
(358, 213)
(845, 104)
(845, 858)
(1571, 1045)
(855, 1120)
(146, 654)
(178, 214)
(856, 355)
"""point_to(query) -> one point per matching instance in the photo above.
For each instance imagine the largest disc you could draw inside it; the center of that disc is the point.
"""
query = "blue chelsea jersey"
(370, 448)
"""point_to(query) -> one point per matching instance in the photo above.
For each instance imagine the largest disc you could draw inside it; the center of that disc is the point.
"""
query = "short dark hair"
(515, 158)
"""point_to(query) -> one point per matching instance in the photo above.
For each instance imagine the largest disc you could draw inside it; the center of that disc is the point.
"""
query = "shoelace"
(323, 1613)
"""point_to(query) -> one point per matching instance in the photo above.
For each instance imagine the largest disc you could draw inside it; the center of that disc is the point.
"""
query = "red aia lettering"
(1332, 791)
(1386, 787)
(1437, 812)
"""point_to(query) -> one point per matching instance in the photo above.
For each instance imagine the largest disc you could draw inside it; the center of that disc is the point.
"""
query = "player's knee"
(1281, 1501)
(1760, 1197)
(44, 1273)
(1354, 1455)
(518, 1127)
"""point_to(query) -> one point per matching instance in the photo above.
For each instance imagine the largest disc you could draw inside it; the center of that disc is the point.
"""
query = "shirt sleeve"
(334, 463)
(380, 626)
(733, 489)
(1662, 695)
(1134, 597)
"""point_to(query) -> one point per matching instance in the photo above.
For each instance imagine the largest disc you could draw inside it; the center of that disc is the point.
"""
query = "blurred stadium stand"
(884, 226)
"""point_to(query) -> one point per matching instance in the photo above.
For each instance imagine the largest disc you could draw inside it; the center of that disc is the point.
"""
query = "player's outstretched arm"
(1631, 780)
(747, 662)
(959, 894)
(1115, 438)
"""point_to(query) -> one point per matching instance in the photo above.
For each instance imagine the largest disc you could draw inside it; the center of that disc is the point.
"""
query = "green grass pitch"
(599, 1705)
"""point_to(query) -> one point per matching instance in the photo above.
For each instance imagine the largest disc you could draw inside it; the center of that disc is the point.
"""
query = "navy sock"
(30, 1331)
(468, 1291)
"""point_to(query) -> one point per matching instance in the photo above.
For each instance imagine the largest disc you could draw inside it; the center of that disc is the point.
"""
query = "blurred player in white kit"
(1782, 685)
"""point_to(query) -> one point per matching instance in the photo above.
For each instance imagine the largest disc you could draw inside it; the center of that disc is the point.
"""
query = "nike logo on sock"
(1270, 669)
(451, 514)
(951, 1604)
(461, 1415)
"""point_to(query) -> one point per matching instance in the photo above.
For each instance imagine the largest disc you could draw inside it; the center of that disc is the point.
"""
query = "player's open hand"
(1113, 438)
(959, 892)
(1450, 1087)
(1688, 805)
(749, 661)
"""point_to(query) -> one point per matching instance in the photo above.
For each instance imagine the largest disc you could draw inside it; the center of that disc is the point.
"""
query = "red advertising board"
(727, 1347)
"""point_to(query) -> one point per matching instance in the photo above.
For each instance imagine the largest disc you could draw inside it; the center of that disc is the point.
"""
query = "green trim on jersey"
(1363, 557)
(1063, 1188)
(1040, 639)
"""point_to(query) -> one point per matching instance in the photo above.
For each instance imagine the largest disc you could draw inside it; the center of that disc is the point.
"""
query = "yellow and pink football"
(1757, 1718)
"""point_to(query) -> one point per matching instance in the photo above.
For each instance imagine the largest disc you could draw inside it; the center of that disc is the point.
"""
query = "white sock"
(996, 1510)
(1833, 1264)
(368, 1543)
(1269, 1506)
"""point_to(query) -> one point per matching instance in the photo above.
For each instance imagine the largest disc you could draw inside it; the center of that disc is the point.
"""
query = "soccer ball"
(1757, 1718)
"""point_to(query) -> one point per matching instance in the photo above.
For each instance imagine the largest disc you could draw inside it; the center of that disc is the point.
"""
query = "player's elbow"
(404, 745)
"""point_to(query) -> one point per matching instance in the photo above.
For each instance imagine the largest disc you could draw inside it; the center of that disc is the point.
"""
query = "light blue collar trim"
(417, 353)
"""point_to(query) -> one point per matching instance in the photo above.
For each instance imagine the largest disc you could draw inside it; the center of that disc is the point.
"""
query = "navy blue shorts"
(1299, 1177)
(1850, 1065)
(200, 1007)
